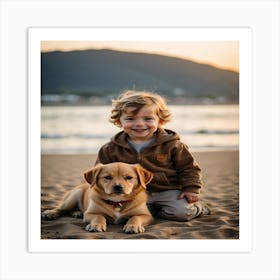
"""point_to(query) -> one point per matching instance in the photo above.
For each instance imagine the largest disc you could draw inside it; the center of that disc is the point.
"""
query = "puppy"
(114, 192)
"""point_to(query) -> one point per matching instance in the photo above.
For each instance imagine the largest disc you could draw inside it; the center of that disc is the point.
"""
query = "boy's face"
(142, 125)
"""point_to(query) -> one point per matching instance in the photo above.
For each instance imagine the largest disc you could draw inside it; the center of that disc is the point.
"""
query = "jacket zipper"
(139, 158)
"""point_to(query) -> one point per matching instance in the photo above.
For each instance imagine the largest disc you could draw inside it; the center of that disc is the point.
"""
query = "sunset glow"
(221, 54)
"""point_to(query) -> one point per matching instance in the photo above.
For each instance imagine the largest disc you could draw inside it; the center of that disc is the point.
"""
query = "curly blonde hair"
(138, 99)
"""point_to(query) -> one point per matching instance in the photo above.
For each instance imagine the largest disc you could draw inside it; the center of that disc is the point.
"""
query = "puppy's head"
(118, 178)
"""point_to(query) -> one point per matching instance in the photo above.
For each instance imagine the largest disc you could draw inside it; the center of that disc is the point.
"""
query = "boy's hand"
(191, 197)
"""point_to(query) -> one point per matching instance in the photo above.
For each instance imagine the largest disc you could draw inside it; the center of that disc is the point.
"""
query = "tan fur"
(113, 192)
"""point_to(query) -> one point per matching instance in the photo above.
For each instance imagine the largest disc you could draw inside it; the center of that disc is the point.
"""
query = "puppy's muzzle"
(118, 189)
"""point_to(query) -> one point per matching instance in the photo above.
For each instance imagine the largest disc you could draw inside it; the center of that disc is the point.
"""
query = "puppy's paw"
(96, 227)
(132, 228)
(50, 214)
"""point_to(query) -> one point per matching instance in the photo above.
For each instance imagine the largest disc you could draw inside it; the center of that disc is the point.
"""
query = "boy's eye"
(129, 119)
(149, 119)
(108, 177)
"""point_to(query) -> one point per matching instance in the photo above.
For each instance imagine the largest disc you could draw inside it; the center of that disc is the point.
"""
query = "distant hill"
(99, 72)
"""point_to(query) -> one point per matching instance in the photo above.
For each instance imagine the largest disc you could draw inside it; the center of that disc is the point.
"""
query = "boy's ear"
(160, 123)
(118, 123)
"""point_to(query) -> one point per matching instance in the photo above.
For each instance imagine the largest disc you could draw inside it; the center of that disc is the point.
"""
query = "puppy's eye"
(108, 177)
(128, 177)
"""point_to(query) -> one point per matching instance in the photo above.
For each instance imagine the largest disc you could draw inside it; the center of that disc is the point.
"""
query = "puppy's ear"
(145, 176)
(92, 174)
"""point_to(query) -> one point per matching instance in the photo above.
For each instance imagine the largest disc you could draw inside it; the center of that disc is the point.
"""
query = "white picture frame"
(242, 35)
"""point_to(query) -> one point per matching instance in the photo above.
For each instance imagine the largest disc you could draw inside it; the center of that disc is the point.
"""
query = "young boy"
(174, 190)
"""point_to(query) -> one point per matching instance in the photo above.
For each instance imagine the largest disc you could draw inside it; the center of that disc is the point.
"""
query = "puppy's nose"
(118, 189)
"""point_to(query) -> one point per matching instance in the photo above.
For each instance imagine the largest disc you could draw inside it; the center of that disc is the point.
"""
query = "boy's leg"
(172, 208)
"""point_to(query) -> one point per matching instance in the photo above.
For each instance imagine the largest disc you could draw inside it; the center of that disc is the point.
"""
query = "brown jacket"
(168, 158)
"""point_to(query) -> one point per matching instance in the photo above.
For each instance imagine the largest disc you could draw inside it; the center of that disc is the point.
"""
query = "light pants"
(166, 205)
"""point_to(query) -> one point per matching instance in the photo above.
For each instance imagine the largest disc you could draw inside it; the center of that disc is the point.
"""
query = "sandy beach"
(220, 171)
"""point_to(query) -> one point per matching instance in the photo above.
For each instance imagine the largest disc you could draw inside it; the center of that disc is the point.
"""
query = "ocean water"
(83, 129)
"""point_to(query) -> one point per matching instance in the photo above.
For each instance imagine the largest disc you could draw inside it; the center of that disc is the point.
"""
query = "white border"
(262, 16)
(242, 35)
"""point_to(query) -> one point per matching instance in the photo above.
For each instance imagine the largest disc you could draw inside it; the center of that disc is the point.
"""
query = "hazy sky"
(222, 54)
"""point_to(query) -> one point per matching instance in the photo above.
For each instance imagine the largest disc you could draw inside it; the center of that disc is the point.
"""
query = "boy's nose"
(139, 122)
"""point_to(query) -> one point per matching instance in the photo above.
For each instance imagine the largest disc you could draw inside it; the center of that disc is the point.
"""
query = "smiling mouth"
(140, 130)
